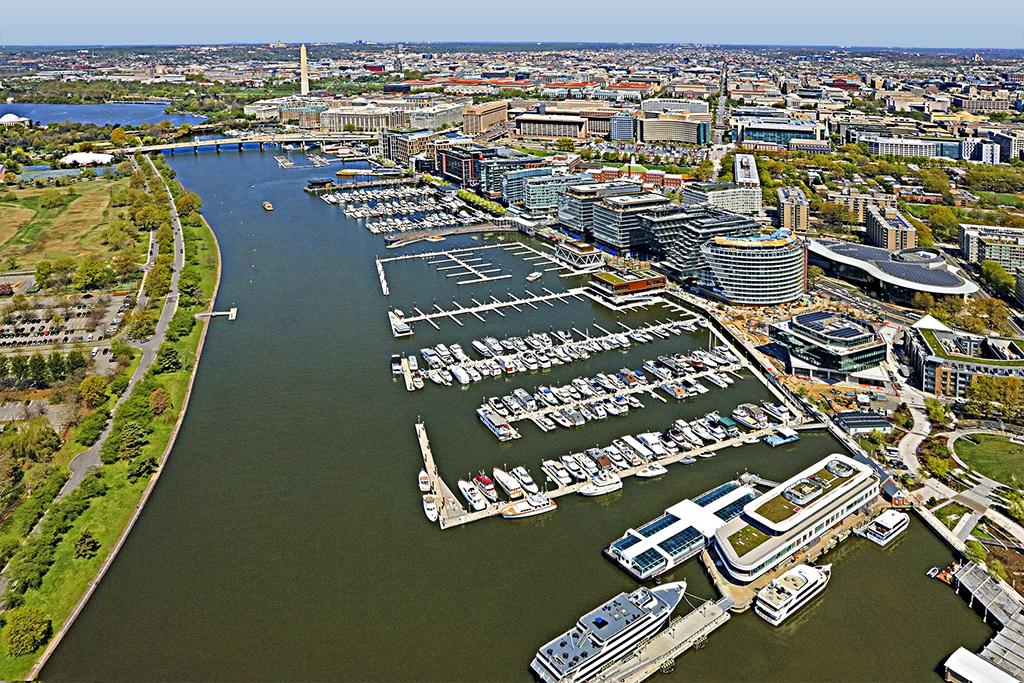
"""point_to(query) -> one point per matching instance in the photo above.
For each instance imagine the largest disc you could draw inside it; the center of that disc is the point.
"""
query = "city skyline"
(790, 23)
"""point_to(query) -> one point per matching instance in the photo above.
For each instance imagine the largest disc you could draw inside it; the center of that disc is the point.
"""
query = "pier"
(229, 314)
(659, 652)
(1005, 607)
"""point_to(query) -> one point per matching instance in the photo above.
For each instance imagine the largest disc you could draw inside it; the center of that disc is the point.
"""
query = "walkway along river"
(286, 540)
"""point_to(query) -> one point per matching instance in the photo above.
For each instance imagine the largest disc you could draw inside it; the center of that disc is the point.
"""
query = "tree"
(189, 203)
(996, 276)
(91, 274)
(936, 411)
(56, 323)
(167, 359)
(133, 438)
(836, 215)
(117, 138)
(74, 361)
(94, 391)
(86, 546)
(43, 271)
(565, 145)
(5, 368)
(19, 366)
(56, 367)
(975, 552)
(923, 301)
(937, 466)
(158, 402)
(26, 631)
(125, 264)
(37, 368)
(158, 282)
(141, 325)
(945, 225)
(62, 270)
(815, 275)
(51, 199)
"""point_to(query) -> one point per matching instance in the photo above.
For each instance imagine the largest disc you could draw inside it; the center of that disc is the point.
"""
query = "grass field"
(1003, 198)
(30, 233)
(994, 456)
(951, 514)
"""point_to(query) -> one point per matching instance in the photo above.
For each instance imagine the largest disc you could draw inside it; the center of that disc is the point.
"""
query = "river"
(286, 539)
(101, 114)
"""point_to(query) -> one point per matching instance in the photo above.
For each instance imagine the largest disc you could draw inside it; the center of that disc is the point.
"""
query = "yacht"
(574, 467)
(497, 406)
(607, 634)
(396, 364)
(461, 375)
(525, 399)
(560, 418)
(716, 380)
(537, 504)
(525, 479)
(557, 471)
(486, 486)
(652, 470)
(750, 416)
(885, 527)
(534, 276)
(493, 345)
(507, 482)
(482, 349)
(472, 495)
(791, 591)
(267, 206)
(498, 426)
(417, 381)
(430, 507)
(600, 484)
(777, 410)
(424, 481)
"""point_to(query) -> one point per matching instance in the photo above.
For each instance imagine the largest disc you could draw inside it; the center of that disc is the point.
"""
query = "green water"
(286, 538)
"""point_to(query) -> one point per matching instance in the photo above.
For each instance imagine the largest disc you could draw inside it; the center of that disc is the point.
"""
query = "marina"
(401, 324)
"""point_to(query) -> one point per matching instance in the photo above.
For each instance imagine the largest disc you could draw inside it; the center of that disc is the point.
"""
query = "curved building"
(758, 271)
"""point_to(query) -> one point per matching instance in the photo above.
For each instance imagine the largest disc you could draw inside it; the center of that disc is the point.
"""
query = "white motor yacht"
(600, 484)
(472, 495)
(885, 527)
(653, 470)
(430, 507)
(525, 479)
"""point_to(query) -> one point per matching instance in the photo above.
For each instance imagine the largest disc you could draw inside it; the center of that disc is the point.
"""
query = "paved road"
(91, 457)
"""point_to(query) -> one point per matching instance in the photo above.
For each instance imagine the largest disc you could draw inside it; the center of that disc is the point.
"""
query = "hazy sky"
(897, 23)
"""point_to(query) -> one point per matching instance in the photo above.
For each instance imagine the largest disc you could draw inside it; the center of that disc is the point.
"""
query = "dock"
(230, 314)
(659, 652)
(1001, 604)
(448, 506)
(383, 279)
(407, 375)
(496, 305)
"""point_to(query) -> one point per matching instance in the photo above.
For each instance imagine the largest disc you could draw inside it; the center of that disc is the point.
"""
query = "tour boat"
(600, 484)
(790, 592)
(424, 481)
(268, 206)
(885, 527)
(430, 508)
(536, 504)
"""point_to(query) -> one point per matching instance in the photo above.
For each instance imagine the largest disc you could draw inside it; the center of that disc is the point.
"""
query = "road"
(80, 465)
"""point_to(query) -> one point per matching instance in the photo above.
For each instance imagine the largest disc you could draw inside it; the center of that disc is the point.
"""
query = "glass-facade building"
(828, 341)
(674, 235)
(758, 271)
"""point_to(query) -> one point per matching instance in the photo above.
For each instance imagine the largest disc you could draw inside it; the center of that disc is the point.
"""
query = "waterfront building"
(857, 423)
(540, 195)
(479, 118)
(793, 516)
(675, 233)
(729, 196)
(946, 361)
(483, 168)
(578, 255)
(401, 145)
(757, 271)
(793, 209)
(576, 203)
(858, 203)
(625, 285)
(617, 220)
(621, 127)
(744, 171)
(11, 119)
(829, 345)
(894, 275)
(1003, 245)
(890, 229)
(513, 184)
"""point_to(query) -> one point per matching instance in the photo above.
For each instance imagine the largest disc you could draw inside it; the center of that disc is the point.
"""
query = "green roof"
(746, 539)
(938, 350)
(779, 508)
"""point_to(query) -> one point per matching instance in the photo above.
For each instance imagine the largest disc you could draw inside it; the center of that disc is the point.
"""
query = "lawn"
(30, 233)
(994, 456)
(1003, 198)
(779, 508)
(746, 539)
(950, 514)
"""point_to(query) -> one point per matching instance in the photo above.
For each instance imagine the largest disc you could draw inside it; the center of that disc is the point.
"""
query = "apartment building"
(890, 229)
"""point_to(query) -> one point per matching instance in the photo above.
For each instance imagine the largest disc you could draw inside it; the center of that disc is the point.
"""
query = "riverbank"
(110, 518)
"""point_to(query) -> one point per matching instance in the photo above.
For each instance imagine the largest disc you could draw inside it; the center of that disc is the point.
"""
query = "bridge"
(282, 138)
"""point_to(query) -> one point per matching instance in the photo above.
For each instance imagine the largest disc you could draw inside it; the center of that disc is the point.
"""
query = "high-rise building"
(621, 127)
(757, 271)
(858, 203)
(617, 220)
(728, 196)
(540, 195)
(1011, 145)
(674, 234)
(793, 208)
(304, 71)
(744, 171)
(673, 127)
(889, 229)
(576, 203)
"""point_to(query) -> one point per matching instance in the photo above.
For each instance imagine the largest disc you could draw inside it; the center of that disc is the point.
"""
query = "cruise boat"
(430, 507)
(652, 470)
(481, 348)
(885, 527)
(525, 479)
(424, 481)
(791, 591)
(396, 364)
(498, 426)
(600, 484)
(537, 504)
(472, 495)
(486, 486)
(267, 206)
(777, 410)
(607, 634)
(509, 483)
(534, 276)
(557, 471)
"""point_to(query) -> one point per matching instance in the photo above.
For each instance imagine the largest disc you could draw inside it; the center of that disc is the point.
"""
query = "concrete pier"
(495, 306)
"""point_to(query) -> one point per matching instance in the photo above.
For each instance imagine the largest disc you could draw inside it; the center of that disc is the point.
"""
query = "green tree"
(158, 282)
(167, 359)
(74, 360)
(19, 366)
(189, 203)
(815, 275)
(125, 264)
(133, 438)
(91, 274)
(51, 199)
(836, 215)
(56, 367)
(937, 466)
(945, 225)
(26, 631)
(94, 391)
(86, 545)
(923, 301)
(141, 325)
(936, 411)
(5, 368)
(996, 276)
(37, 368)
(43, 271)
(565, 145)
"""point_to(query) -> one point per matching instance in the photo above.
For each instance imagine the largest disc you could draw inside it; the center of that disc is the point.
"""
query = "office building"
(436, 116)
(858, 203)
(982, 103)
(401, 145)
(890, 229)
(756, 271)
(479, 118)
(540, 195)
(364, 118)
(1003, 245)
(551, 126)
(1011, 145)
(793, 516)
(513, 184)
(777, 130)
(621, 127)
(729, 196)
(980, 149)
(793, 209)
(674, 234)
(693, 106)
(902, 147)
(673, 128)
(744, 171)
(617, 220)
(576, 203)
(828, 345)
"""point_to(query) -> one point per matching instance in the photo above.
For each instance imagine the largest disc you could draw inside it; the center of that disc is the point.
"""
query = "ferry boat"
(791, 591)
(885, 527)
(424, 481)
(600, 484)
(430, 507)
(534, 276)
(472, 495)
(507, 482)
(536, 504)
(652, 470)
(607, 634)
(498, 426)
(525, 479)
(267, 206)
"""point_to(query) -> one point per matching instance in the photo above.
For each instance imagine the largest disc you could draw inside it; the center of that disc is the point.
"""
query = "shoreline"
(66, 626)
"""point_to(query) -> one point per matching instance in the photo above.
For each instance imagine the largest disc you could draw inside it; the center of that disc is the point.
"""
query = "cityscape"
(484, 360)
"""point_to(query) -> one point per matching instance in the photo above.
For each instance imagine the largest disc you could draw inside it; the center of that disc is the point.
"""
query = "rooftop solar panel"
(734, 508)
(625, 542)
(648, 559)
(712, 496)
(654, 526)
(681, 542)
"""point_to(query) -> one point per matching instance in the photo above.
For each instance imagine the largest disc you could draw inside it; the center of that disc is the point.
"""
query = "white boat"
(652, 470)
(509, 483)
(534, 276)
(461, 375)
(482, 349)
(424, 481)
(430, 508)
(600, 484)
(472, 495)
(536, 504)
(525, 479)
(790, 592)
(557, 471)
(885, 527)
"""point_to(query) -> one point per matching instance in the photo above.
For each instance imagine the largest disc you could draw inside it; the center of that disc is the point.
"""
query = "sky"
(880, 23)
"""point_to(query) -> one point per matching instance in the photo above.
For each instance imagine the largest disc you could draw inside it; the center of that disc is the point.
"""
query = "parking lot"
(87, 319)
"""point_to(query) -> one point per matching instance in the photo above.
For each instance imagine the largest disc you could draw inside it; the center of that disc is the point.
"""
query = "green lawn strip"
(941, 353)
(995, 457)
(1002, 198)
(746, 539)
(69, 577)
(43, 219)
(951, 514)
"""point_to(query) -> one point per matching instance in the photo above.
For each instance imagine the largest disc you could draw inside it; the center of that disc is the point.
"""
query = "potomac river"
(286, 538)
